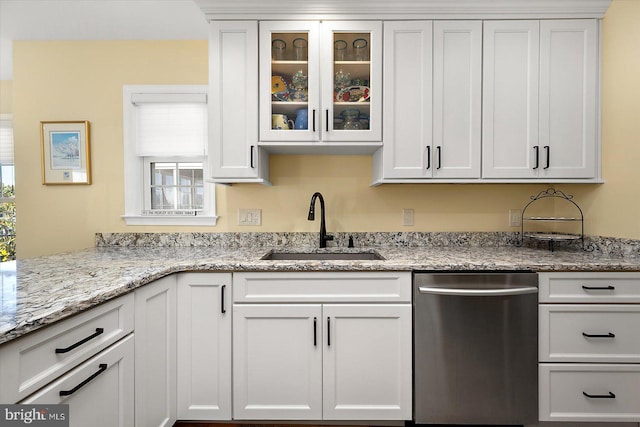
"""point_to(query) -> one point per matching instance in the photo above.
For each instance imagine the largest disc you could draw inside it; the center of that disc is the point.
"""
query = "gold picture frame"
(65, 152)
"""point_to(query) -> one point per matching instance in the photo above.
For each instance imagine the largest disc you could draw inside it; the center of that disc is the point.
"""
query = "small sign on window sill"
(169, 212)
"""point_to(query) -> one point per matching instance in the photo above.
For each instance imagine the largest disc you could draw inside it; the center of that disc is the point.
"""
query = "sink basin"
(312, 256)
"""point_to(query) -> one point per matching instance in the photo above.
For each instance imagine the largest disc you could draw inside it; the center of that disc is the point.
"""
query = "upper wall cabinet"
(320, 86)
(432, 93)
(234, 154)
(540, 99)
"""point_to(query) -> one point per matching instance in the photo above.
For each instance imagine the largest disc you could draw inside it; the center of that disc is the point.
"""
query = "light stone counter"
(39, 291)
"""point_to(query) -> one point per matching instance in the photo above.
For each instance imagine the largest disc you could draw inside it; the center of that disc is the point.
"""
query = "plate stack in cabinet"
(589, 346)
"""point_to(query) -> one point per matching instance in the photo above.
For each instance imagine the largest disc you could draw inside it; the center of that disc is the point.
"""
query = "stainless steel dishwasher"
(475, 348)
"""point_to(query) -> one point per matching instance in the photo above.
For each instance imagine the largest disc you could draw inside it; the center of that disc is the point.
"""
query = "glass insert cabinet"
(320, 81)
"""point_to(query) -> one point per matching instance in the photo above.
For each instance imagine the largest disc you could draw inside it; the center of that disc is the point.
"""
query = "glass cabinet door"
(289, 81)
(351, 80)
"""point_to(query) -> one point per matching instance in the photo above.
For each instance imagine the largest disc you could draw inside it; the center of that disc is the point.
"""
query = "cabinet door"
(457, 102)
(367, 362)
(204, 346)
(277, 370)
(289, 81)
(408, 101)
(233, 99)
(351, 81)
(510, 146)
(155, 353)
(106, 398)
(568, 91)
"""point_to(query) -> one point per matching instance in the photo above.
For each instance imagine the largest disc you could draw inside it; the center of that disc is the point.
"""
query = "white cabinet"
(510, 146)
(320, 86)
(234, 154)
(204, 346)
(568, 98)
(367, 362)
(304, 360)
(155, 353)
(540, 99)
(99, 392)
(589, 348)
(432, 92)
(277, 362)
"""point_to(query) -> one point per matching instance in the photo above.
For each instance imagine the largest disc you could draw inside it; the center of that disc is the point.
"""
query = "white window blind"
(6, 142)
(170, 124)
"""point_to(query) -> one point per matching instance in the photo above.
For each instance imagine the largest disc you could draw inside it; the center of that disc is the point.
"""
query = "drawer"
(99, 392)
(377, 286)
(589, 333)
(614, 391)
(590, 287)
(30, 362)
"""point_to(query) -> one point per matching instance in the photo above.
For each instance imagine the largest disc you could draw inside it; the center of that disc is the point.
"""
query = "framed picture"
(65, 152)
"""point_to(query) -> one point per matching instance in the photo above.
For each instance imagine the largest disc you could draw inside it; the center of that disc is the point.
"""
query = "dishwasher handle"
(478, 292)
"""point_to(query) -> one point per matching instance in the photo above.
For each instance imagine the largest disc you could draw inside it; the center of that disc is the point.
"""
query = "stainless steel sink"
(313, 256)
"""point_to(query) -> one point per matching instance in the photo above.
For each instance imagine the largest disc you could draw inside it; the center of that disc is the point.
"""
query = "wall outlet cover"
(407, 216)
(515, 217)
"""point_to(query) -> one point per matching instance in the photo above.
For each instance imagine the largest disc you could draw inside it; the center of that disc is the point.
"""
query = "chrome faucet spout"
(324, 237)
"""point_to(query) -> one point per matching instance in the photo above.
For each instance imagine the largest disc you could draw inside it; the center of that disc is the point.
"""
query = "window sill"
(170, 220)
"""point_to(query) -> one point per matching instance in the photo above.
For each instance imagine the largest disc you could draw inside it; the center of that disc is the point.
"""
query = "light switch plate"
(249, 216)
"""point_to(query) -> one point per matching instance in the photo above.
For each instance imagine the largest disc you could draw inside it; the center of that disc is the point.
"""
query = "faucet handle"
(328, 237)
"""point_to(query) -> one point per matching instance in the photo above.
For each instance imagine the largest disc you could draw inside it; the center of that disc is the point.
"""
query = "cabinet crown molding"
(401, 9)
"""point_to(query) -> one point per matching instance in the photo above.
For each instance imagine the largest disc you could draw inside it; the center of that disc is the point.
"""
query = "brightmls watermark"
(34, 415)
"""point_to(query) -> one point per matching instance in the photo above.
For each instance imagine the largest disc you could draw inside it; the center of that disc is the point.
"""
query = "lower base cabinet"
(322, 361)
(204, 346)
(155, 356)
(589, 348)
(106, 399)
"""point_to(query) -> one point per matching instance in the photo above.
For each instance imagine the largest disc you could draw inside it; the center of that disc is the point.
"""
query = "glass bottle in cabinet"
(319, 80)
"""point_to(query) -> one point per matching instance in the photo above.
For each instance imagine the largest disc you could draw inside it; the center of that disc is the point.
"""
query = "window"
(165, 134)
(7, 194)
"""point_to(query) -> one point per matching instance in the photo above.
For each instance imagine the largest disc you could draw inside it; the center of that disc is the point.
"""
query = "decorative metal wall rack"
(552, 237)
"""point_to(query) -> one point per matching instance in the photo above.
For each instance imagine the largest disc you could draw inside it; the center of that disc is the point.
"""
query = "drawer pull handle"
(600, 396)
(609, 335)
(79, 343)
(315, 331)
(101, 369)
(222, 308)
(598, 288)
(328, 331)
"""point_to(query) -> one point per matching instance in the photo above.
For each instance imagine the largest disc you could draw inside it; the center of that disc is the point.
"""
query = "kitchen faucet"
(323, 230)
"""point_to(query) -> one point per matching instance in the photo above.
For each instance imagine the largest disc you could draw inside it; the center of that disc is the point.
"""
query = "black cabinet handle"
(101, 369)
(222, 309)
(314, 120)
(609, 335)
(328, 331)
(251, 157)
(439, 149)
(600, 396)
(327, 121)
(548, 153)
(315, 331)
(537, 150)
(428, 157)
(598, 288)
(79, 343)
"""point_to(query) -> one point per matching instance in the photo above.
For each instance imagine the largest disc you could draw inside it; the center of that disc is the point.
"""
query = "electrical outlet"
(249, 216)
(407, 216)
(515, 217)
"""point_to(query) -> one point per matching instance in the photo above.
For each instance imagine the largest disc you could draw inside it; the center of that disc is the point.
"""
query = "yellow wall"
(83, 81)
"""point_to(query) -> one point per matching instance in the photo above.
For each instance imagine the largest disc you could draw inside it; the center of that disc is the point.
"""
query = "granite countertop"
(39, 291)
